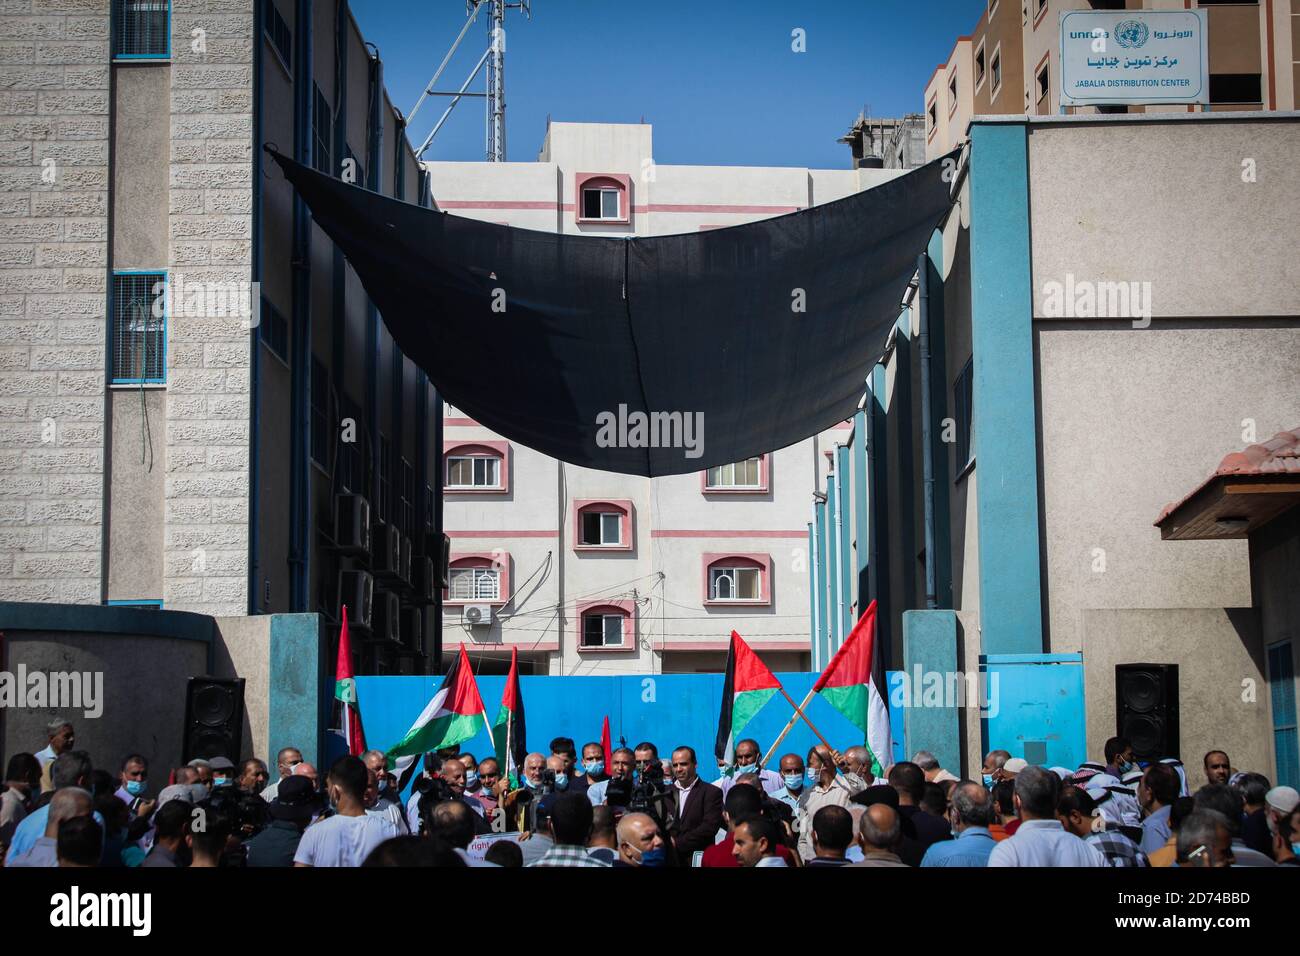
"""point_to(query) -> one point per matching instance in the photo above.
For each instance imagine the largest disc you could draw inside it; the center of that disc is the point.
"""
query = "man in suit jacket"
(697, 807)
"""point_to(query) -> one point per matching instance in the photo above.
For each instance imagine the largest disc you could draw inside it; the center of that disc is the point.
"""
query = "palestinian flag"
(347, 712)
(607, 746)
(508, 733)
(851, 684)
(453, 715)
(748, 685)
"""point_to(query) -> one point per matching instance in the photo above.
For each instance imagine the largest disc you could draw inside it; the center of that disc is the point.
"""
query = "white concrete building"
(588, 571)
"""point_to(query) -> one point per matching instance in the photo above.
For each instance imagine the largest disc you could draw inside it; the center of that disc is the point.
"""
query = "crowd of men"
(567, 809)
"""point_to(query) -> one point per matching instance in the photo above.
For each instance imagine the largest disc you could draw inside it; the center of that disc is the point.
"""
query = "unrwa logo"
(1131, 33)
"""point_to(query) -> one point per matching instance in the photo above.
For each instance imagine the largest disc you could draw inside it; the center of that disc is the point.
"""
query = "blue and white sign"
(1134, 56)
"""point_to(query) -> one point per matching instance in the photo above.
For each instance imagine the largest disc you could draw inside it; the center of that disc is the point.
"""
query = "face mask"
(471, 778)
(532, 784)
(594, 768)
(793, 781)
(988, 781)
(656, 857)
(561, 781)
(1124, 766)
(747, 768)
(1295, 848)
(220, 782)
(135, 787)
(812, 775)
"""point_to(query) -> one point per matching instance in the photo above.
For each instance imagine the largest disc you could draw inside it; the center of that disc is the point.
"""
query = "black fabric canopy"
(596, 330)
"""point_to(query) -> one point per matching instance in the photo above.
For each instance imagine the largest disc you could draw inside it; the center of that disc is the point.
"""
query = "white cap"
(1015, 765)
(1282, 799)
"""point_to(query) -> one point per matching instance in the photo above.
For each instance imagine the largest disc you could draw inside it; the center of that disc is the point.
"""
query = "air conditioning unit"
(404, 561)
(356, 590)
(386, 557)
(476, 615)
(412, 628)
(388, 618)
(352, 525)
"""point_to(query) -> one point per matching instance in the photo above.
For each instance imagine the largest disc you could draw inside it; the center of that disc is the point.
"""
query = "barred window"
(322, 131)
(139, 334)
(142, 29)
(277, 31)
(474, 584)
(274, 330)
(320, 415)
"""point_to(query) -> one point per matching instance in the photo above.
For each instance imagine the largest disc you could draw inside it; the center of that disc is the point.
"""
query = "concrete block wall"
(54, 135)
(210, 231)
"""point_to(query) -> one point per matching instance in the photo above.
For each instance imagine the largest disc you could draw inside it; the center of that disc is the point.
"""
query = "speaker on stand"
(214, 718)
(1146, 709)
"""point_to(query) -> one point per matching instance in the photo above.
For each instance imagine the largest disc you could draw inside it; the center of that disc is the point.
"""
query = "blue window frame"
(1281, 686)
(142, 29)
(138, 317)
(147, 605)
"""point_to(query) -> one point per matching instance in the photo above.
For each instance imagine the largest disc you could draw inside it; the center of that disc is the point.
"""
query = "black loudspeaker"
(1146, 709)
(214, 718)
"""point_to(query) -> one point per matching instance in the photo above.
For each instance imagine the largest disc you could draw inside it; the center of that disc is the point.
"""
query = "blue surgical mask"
(812, 775)
(220, 782)
(793, 781)
(655, 857)
(1124, 766)
(988, 781)
(471, 778)
(594, 768)
(135, 787)
(747, 768)
(1295, 848)
(561, 781)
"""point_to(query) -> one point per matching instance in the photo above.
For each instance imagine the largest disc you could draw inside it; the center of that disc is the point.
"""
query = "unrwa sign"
(1134, 56)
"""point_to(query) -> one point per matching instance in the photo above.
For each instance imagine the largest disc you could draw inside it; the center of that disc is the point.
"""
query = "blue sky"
(718, 80)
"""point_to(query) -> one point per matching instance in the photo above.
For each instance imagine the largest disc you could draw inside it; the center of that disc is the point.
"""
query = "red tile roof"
(1279, 455)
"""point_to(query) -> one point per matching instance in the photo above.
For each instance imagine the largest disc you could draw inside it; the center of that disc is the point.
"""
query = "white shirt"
(46, 755)
(344, 841)
(769, 861)
(772, 782)
(813, 799)
(596, 792)
(1045, 843)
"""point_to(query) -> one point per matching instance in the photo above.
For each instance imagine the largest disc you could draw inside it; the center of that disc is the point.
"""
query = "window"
(1040, 7)
(931, 118)
(322, 133)
(478, 577)
(963, 399)
(385, 479)
(476, 471)
(601, 528)
(742, 475)
(737, 579)
(606, 626)
(735, 584)
(141, 29)
(602, 525)
(1281, 684)
(480, 467)
(406, 510)
(1235, 88)
(277, 31)
(273, 330)
(475, 584)
(149, 605)
(139, 334)
(1043, 88)
(952, 93)
(600, 203)
(995, 67)
(603, 197)
(320, 413)
(979, 64)
(602, 630)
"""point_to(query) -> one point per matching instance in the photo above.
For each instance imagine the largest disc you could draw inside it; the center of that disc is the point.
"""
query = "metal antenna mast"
(495, 59)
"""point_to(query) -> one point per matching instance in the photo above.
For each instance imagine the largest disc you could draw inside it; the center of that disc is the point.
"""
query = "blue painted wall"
(1011, 611)
(666, 709)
